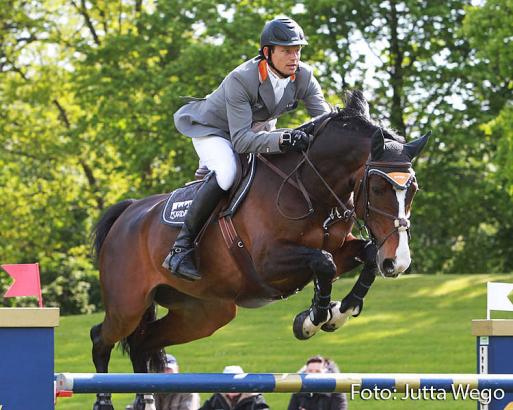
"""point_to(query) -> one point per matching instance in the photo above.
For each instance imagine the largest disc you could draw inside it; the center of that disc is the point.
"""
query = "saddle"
(179, 200)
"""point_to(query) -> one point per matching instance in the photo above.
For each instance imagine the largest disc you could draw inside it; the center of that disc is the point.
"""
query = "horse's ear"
(377, 144)
(413, 148)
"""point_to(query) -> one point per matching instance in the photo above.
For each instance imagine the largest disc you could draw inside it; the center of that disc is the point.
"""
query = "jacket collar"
(263, 74)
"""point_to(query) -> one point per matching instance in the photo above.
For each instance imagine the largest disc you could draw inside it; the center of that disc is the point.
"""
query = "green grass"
(417, 324)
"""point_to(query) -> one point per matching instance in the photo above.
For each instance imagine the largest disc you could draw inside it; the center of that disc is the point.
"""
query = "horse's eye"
(377, 190)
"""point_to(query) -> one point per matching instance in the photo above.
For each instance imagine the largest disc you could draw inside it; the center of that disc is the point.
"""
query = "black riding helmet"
(281, 32)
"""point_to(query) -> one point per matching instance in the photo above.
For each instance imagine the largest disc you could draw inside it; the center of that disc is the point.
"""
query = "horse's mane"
(357, 108)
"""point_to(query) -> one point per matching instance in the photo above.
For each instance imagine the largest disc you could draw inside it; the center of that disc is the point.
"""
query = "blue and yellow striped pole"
(276, 382)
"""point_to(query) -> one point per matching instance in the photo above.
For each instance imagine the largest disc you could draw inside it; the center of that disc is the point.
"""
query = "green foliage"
(490, 30)
(75, 289)
(88, 90)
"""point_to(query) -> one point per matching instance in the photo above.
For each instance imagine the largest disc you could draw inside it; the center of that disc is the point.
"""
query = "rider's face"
(286, 58)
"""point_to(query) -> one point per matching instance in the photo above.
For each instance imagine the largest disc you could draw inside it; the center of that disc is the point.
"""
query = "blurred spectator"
(331, 366)
(176, 401)
(235, 401)
(318, 401)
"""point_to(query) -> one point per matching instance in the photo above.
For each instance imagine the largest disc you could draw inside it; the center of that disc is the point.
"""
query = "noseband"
(400, 179)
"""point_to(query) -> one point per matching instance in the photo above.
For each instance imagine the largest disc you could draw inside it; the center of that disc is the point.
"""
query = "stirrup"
(174, 251)
(175, 258)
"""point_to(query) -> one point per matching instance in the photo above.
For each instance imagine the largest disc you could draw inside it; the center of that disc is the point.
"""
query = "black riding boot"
(180, 260)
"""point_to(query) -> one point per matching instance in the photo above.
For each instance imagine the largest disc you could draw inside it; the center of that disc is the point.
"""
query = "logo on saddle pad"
(178, 203)
(179, 209)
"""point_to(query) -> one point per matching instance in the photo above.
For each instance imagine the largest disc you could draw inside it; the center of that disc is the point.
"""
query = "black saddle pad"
(179, 202)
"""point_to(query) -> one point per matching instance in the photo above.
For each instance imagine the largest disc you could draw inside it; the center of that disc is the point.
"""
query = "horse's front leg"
(320, 263)
(352, 303)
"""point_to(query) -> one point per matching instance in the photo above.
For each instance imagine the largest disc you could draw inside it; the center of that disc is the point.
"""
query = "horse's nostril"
(388, 266)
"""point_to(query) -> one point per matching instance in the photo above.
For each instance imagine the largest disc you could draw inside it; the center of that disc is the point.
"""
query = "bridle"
(371, 168)
(400, 178)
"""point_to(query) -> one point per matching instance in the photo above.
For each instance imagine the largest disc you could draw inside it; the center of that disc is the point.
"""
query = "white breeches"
(216, 153)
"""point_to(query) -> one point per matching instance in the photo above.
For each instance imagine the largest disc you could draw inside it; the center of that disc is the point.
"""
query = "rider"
(240, 117)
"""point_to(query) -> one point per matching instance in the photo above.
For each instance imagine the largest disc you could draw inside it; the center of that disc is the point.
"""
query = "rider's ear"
(413, 148)
(378, 144)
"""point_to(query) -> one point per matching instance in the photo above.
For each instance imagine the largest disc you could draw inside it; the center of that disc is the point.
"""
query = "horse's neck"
(339, 167)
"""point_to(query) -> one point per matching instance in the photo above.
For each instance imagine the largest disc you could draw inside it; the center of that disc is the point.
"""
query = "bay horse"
(353, 169)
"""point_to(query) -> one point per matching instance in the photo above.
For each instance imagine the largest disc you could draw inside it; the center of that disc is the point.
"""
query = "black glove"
(294, 140)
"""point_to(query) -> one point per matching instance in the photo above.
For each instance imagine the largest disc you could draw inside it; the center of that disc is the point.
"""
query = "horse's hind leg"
(189, 320)
(144, 361)
(192, 319)
(116, 326)
(101, 356)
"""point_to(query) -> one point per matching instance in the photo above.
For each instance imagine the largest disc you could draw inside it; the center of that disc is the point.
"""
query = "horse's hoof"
(338, 318)
(103, 402)
(352, 304)
(103, 407)
(144, 402)
(303, 326)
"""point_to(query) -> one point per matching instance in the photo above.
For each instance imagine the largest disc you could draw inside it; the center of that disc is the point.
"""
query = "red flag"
(26, 281)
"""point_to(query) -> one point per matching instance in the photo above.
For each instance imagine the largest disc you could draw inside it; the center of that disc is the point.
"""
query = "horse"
(354, 170)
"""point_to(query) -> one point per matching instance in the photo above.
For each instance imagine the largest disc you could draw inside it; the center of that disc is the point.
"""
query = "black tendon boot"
(180, 260)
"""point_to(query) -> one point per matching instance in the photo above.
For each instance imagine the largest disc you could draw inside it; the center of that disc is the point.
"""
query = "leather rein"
(371, 168)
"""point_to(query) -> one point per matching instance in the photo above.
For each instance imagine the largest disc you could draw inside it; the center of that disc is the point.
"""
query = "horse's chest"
(329, 240)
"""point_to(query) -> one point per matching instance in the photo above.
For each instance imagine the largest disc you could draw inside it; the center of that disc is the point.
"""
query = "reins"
(400, 224)
(298, 184)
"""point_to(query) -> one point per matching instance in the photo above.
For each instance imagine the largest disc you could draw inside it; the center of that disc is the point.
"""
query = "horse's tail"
(103, 226)
(157, 358)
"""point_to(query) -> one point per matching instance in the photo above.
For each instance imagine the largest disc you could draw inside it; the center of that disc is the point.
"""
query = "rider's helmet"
(282, 31)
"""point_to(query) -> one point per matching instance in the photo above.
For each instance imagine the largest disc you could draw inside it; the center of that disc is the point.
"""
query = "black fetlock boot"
(180, 260)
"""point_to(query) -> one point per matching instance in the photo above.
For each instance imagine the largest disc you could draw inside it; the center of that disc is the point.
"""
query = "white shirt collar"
(279, 84)
(277, 81)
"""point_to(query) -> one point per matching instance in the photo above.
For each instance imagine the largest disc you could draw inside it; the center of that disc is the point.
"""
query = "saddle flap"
(180, 199)
(245, 176)
(179, 202)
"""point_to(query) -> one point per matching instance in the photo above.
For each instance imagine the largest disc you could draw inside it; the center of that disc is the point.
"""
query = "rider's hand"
(294, 140)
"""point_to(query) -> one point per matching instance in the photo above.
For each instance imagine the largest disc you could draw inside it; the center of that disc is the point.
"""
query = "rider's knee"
(225, 174)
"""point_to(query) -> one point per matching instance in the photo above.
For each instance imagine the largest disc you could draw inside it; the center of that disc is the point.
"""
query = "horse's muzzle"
(390, 269)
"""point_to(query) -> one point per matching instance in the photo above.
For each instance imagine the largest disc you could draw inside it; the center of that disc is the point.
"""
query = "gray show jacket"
(243, 109)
